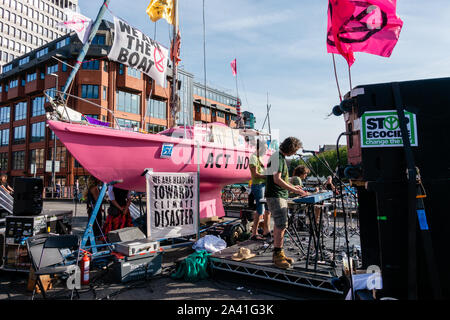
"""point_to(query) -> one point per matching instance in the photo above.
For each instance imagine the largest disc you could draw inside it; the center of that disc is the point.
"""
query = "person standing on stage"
(257, 189)
(277, 192)
(118, 213)
(4, 183)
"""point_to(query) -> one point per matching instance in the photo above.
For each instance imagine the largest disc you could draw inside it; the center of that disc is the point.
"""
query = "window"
(63, 43)
(19, 135)
(37, 158)
(134, 73)
(154, 128)
(63, 67)
(120, 68)
(4, 137)
(13, 83)
(20, 111)
(99, 40)
(128, 102)
(4, 161)
(18, 160)
(37, 106)
(91, 65)
(51, 92)
(31, 77)
(105, 66)
(38, 131)
(89, 91)
(52, 69)
(157, 109)
(42, 52)
(60, 155)
(128, 123)
(105, 90)
(5, 114)
(7, 67)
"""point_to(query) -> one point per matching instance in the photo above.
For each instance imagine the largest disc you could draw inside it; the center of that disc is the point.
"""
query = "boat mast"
(85, 47)
(174, 95)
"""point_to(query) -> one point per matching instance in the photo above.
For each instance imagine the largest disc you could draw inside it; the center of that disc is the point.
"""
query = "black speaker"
(383, 205)
(27, 196)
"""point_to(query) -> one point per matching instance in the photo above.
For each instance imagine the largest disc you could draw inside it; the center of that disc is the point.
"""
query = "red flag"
(234, 67)
(175, 49)
(370, 26)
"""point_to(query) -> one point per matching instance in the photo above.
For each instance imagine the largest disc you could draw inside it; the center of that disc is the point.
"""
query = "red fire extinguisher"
(85, 262)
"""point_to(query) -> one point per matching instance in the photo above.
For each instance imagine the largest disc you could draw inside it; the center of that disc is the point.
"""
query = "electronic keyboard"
(313, 198)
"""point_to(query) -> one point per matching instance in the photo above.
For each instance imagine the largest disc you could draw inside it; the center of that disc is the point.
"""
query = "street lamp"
(54, 146)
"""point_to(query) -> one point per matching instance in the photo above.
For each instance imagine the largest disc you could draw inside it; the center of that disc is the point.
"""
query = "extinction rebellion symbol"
(382, 129)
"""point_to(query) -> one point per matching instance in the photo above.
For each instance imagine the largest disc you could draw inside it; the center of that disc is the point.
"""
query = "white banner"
(78, 23)
(172, 205)
(134, 49)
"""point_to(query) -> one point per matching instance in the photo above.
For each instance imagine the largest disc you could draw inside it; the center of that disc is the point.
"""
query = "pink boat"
(111, 155)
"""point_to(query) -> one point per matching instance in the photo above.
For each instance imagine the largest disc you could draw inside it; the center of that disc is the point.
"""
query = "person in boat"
(257, 169)
(118, 213)
(91, 195)
(277, 193)
(4, 183)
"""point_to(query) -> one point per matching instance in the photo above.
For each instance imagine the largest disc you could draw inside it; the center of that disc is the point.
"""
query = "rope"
(336, 77)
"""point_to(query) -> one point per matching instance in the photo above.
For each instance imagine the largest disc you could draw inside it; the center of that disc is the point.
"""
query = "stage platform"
(261, 266)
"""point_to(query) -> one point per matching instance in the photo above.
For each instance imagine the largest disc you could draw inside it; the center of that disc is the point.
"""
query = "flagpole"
(174, 102)
(238, 104)
(335, 75)
(350, 79)
(85, 47)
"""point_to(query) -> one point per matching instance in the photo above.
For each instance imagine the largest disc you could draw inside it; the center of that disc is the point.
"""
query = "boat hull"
(112, 155)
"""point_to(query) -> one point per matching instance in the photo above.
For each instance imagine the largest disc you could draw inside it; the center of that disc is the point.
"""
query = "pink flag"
(234, 67)
(370, 26)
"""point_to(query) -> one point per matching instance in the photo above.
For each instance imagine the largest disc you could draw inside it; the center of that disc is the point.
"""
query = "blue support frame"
(89, 232)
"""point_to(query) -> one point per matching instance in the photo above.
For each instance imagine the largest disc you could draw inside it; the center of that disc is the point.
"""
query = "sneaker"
(280, 261)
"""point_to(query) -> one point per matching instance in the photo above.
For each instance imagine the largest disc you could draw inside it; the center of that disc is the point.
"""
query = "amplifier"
(137, 267)
(27, 196)
(125, 234)
(18, 228)
(59, 221)
(135, 247)
(377, 165)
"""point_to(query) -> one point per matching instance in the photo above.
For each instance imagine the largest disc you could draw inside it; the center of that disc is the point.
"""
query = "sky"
(282, 58)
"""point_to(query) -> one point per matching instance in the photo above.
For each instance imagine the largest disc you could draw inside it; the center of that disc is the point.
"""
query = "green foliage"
(318, 167)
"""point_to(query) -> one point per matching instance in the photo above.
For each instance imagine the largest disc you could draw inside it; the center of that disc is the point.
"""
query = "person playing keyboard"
(277, 192)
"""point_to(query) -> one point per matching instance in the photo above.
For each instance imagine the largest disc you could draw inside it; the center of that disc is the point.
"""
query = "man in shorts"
(277, 193)
(257, 169)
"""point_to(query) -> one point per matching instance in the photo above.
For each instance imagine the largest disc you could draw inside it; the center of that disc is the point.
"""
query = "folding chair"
(47, 259)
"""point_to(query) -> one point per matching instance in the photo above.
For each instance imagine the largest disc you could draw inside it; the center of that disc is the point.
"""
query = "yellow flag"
(158, 9)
